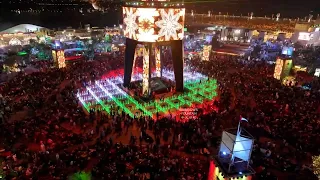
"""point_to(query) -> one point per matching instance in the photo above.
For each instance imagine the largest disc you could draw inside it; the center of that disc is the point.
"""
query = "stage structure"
(232, 161)
(153, 24)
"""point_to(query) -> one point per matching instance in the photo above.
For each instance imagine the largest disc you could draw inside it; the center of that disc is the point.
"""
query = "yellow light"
(145, 75)
(278, 69)
(158, 62)
(316, 165)
(206, 52)
(61, 59)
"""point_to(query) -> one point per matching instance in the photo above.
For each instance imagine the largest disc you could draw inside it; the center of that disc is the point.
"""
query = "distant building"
(25, 28)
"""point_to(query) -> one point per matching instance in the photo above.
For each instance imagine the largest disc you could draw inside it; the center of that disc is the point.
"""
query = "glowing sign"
(153, 24)
(278, 69)
(206, 52)
(61, 59)
(304, 36)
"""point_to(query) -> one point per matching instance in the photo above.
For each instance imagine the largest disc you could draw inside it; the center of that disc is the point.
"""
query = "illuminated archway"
(14, 42)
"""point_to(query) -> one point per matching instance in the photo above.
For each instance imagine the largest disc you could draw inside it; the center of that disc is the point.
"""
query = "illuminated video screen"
(278, 69)
(287, 51)
(153, 24)
(206, 52)
(304, 36)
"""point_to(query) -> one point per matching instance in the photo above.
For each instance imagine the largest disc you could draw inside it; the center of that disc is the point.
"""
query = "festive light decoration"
(282, 68)
(129, 20)
(170, 25)
(106, 92)
(106, 108)
(158, 61)
(146, 71)
(153, 24)
(316, 165)
(206, 52)
(61, 59)
(278, 69)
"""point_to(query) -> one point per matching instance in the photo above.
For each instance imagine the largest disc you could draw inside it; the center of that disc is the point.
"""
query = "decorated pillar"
(158, 61)
(147, 52)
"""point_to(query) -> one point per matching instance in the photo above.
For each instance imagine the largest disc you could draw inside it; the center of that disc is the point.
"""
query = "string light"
(316, 165)
(108, 88)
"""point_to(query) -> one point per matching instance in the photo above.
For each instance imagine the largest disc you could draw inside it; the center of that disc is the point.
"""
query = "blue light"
(224, 153)
(240, 172)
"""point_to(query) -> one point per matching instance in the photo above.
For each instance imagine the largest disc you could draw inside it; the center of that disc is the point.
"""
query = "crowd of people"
(47, 135)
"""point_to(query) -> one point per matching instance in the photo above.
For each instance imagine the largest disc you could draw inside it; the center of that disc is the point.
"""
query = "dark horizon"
(70, 15)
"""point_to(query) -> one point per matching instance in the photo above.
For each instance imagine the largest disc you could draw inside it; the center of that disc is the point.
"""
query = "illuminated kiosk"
(153, 24)
(59, 59)
(283, 67)
(232, 161)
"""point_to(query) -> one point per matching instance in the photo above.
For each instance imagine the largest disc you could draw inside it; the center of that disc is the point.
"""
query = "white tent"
(23, 28)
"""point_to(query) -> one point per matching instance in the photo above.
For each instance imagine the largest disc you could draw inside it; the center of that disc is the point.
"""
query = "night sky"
(287, 8)
(47, 18)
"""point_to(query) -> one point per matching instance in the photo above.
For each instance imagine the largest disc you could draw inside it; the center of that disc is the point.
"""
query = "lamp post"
(278, 16)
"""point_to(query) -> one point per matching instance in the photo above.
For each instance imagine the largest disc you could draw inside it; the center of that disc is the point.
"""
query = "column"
(158, 60)
(128, 60)
(134, 63)
(147, 51)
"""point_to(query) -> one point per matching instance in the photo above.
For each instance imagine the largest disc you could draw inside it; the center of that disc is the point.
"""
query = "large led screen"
(206, 52)
(304, 36)
(153, 24)
(278, 69)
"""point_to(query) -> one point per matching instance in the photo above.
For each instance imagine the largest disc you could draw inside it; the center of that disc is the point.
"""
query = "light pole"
(278, 16)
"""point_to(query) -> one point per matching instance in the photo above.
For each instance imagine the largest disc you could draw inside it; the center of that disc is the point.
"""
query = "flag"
(243, 119)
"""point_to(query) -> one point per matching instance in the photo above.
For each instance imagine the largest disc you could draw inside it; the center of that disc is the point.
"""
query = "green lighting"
(196, 93)
(22, 53)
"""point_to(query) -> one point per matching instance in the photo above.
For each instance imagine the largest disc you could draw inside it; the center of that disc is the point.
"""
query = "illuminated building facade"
(153, 24)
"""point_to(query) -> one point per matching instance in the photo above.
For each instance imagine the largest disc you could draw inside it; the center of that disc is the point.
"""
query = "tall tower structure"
(153, 24)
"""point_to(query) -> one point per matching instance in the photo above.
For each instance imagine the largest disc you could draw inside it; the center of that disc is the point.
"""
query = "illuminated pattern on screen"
(278, 69)
(61, 59)
(206, 52)
(130, 22)
(105, 93)
(138, 53)
(170, 25)
(158, 61)
(146, 71)
(153, 24)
